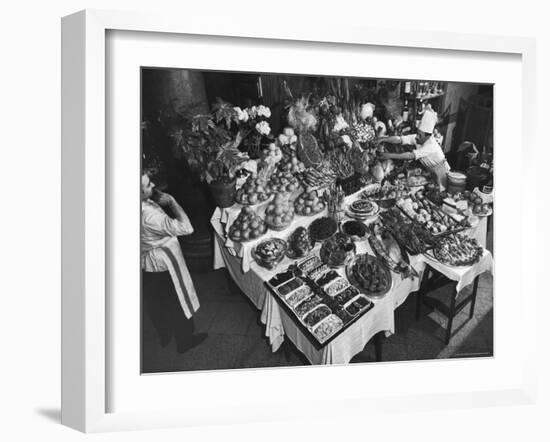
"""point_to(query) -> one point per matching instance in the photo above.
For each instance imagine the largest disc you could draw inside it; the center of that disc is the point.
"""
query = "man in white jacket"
(168, 291)
(427, 151)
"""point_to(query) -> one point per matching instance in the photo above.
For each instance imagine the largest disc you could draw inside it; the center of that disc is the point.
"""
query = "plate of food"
(299, 243)
(357, 305)
(369, 275)
(322, 228)
(338, 250)
(362, 209)
(269, 253)
(457, 251)
(355, 229)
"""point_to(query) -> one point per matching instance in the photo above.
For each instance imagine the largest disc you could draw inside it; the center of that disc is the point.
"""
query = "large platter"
(383, 268)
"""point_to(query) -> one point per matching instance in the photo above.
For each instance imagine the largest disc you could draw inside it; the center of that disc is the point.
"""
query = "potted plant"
(211, 149)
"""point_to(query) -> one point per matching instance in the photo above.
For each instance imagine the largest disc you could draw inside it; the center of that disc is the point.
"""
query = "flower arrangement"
(254, 129)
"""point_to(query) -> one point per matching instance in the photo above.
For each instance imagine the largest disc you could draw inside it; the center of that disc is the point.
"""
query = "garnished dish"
(299, 243)
(309, 203)
(369, 275)
(410, 235)
(390, 252)
(280, 213)
(338, 250)
(317, 315)
(355, 229)
(270, 252)
(322, 228)
(458, 250)
(424, 212)
(362, 209)
(327, 328)
(247, 226)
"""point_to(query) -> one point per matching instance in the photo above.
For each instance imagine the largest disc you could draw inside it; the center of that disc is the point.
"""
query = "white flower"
(367, 110)
(252, 112)
(263, 111)
(241, 115)
(283, 139)
(340, 124)
(346, 140)
(263, 128)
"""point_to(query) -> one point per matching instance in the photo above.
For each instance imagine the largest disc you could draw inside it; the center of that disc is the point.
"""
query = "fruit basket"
(270, 253)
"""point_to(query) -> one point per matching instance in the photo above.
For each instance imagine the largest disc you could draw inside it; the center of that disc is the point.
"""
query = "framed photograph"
(277, 221)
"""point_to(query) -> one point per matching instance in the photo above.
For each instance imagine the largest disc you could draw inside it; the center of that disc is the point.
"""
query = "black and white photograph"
(293, 220)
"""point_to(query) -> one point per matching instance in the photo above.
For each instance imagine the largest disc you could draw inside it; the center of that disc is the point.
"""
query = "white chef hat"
(367, 110)
(428, 122)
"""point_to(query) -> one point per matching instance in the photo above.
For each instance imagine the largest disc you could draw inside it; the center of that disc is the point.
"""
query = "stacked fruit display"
(283, 181)
(254, 191)
(291, 163)
(309, 203)
(247, 226)
(280, 212)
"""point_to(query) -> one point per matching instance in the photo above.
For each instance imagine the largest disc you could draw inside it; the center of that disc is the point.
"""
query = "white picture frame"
(85, 312)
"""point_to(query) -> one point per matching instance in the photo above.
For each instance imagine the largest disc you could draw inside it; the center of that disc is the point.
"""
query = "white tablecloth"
(279, 324)
(250, 278)
(463, 275)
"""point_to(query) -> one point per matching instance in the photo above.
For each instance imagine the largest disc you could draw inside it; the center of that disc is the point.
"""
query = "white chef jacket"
(160, 251)
(429, 154)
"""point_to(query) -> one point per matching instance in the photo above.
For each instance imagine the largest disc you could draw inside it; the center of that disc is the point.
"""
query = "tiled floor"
(236, 337)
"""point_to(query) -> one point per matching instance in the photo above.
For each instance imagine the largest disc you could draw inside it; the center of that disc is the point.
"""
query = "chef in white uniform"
(427, 151)
(168, 291)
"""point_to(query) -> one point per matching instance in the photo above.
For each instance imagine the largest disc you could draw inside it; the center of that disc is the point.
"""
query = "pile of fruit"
(321, 176)
(291, 163)
(247, 226)
(299, 243)
(458, 250)
(283, 181)
(272, 153)
(254, 191)
(309, 203)
(279, 213)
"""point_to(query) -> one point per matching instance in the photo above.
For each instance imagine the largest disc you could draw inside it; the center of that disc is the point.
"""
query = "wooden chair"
(448, 305)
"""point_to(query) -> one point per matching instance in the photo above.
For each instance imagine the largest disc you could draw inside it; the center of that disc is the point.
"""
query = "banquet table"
(250, 277)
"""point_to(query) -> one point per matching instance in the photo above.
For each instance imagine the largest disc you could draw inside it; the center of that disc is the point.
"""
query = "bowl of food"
(269, 253)
(338, 250)
(322, 228)
(355, 229)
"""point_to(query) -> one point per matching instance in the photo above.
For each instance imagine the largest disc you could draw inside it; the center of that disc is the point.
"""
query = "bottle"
(406, 112)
